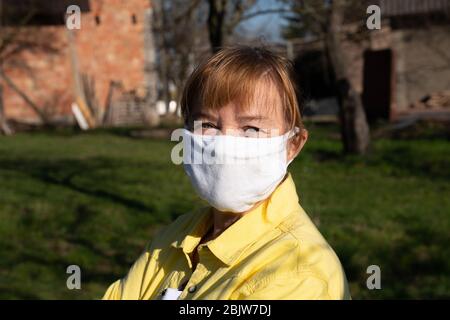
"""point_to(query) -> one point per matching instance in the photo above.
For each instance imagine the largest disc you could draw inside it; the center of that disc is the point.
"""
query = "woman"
(255, 241)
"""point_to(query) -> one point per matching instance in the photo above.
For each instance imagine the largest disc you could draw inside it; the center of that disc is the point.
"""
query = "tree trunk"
(216, 20)
(4, 128)
(150, 66)
(354, 128)
(164, 57)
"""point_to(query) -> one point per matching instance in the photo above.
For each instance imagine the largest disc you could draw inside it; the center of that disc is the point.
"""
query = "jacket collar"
(232, 242)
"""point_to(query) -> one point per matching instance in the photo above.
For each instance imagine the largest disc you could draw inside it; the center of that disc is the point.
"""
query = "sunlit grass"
(96, 199)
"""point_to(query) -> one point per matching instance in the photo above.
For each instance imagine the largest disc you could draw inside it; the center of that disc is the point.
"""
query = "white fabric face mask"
(233, 173)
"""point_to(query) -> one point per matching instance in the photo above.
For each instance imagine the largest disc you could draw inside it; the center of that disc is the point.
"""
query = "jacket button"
(192, 288)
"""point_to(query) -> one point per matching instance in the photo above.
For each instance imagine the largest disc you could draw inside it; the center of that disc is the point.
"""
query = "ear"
(296, 143)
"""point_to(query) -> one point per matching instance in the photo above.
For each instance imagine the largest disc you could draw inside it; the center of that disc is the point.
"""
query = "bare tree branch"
(264, 12)
(16, 89)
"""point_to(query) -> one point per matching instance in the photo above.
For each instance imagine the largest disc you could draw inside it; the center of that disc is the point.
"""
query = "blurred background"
(86, 114)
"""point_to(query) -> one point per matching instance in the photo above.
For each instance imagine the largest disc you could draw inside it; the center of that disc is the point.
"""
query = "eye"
(251, 131)
(208, 125)
(209, 128)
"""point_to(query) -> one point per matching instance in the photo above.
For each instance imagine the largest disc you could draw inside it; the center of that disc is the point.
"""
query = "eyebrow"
(200, 114)
(252, 117)
(243, 118)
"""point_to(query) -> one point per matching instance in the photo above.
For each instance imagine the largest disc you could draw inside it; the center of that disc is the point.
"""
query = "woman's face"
(263, 118)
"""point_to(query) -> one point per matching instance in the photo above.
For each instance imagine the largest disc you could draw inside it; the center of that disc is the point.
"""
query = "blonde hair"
(232, 74)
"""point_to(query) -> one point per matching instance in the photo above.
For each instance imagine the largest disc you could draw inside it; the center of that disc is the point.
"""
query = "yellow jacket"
(272, 252)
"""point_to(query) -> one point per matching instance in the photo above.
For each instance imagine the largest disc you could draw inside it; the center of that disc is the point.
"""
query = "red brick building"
(111, 46)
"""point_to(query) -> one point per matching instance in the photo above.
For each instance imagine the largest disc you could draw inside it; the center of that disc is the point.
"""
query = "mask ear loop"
(292, 133)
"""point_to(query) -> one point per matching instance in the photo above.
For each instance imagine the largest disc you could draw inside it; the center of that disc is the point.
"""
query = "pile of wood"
(126, 110)
(122, 108)
(437, 100)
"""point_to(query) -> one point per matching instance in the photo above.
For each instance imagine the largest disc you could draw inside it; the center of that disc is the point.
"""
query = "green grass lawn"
(95, 199)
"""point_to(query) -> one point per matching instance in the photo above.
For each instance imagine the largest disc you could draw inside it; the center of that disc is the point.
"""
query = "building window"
(133, 19)
(97, 20)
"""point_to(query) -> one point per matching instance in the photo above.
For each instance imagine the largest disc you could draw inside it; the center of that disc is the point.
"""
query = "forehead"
(266, 93)
(262, 98)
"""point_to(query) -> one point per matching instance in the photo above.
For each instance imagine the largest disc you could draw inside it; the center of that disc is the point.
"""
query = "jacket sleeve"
(114, 291)
(135, 285)
(130, 287)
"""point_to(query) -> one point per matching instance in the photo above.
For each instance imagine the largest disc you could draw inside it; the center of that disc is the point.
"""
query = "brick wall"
(423, 64)
(42, 74)
(109, 46)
